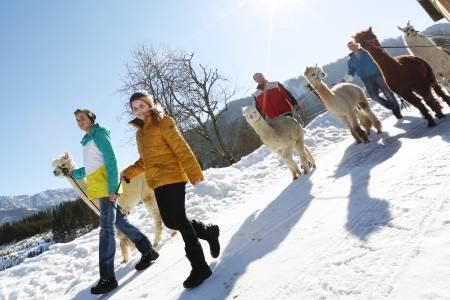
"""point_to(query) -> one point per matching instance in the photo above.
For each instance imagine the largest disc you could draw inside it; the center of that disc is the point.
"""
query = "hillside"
(371, 222)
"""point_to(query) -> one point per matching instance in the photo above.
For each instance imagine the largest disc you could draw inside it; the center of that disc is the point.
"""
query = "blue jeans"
(107, 248)
(375, 83)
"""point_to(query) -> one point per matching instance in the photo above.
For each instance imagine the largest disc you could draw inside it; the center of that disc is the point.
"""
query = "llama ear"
(400, 28)
(315, 66)
(370, 28)
(66, 155)
(408, 23)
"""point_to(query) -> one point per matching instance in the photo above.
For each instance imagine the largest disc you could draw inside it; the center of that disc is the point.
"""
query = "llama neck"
(325, 93)
(418, 40)
(384, 61)
(262, 128)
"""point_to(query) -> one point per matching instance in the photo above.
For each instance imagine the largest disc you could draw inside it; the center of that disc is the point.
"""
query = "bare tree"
(192, 94)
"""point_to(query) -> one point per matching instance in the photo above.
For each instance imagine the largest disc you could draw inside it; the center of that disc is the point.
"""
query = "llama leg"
(352, 131)
(124, 246)
(416, 101)
(311, 159)
(364, 120)
(438, 90)
(369, 113)
(152, 209)
(434, 104)
(286, 157)
(358, 130)
(300, 147)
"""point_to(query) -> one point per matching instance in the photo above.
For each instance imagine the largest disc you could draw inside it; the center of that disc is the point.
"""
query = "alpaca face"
(408, 30)
(314, 74)
(367, 39)
(62, 161)
(251, 114)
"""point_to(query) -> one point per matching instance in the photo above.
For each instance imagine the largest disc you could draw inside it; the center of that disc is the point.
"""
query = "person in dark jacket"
(272, 99)
(361, 63)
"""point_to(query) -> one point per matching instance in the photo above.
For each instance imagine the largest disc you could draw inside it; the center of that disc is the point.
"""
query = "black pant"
(171, 204)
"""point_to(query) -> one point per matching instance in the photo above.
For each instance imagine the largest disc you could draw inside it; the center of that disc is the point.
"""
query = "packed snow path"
(371, 222)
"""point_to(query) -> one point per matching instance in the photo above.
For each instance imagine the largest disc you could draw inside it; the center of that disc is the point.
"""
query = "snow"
(371, 222)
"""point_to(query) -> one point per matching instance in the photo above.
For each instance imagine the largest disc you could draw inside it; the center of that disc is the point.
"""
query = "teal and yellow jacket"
(100, 164)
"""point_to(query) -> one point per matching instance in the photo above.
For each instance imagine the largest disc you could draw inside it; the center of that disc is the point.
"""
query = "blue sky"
(57, 56)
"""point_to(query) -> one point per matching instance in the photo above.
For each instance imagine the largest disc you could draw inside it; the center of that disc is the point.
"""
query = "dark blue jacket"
(362, 64)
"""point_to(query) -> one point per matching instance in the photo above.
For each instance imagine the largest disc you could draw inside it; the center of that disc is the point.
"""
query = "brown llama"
(406, 75)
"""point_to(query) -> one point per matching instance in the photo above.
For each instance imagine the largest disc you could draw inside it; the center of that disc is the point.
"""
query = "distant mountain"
(13, 208)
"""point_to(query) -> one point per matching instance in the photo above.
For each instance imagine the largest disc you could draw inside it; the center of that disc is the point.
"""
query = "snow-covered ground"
(13, 254)
(372, 222)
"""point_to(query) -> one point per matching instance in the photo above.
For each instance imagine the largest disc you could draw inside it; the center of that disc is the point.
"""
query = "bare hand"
(112, 197)
(196, 182)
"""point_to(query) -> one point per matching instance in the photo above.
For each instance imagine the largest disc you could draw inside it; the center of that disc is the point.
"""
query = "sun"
(273, 4)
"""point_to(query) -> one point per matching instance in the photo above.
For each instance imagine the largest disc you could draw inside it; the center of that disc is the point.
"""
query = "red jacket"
(274, 100)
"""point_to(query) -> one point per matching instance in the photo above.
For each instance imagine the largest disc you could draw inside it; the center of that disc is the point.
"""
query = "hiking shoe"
(197, 276)
(398, 115)
(104, 286)
(146, 260)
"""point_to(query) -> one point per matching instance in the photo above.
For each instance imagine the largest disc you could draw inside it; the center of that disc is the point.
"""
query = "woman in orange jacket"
(168, 163)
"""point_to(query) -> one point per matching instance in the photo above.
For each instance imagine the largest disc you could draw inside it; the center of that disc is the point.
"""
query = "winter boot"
(200, 269)
(209, 233)
(398, 115)
(146, 260)
(104, 286)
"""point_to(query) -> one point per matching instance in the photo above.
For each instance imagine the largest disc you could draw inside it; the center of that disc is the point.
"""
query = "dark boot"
(398, 114)
(200, 269)
(104, 286)
(146, 260)
(210, 233)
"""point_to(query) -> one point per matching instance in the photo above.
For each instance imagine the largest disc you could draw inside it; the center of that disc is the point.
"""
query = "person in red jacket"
(272, 99)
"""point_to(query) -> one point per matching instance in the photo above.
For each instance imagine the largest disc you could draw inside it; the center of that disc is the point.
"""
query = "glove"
(348, 78)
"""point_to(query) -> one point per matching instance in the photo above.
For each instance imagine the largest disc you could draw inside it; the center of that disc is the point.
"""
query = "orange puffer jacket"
(165, 156)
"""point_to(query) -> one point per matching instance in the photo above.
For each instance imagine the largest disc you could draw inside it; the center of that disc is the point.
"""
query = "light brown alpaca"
(134, 192)
(347, 102)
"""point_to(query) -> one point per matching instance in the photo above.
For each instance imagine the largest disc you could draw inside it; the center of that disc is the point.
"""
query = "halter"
(411, 31)
(317, 81)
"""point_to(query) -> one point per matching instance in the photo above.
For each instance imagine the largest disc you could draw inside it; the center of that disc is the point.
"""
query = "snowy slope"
(372, 222)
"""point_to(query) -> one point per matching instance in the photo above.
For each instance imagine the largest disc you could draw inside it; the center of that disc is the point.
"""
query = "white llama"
(437, 57)
(345, 101)
(134, 192)
(282, 135)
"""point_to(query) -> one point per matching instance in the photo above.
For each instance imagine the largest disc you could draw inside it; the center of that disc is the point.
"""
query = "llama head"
(251, 114)
(408, 30)
(63, 161)
(367, 38)
(314, 74)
